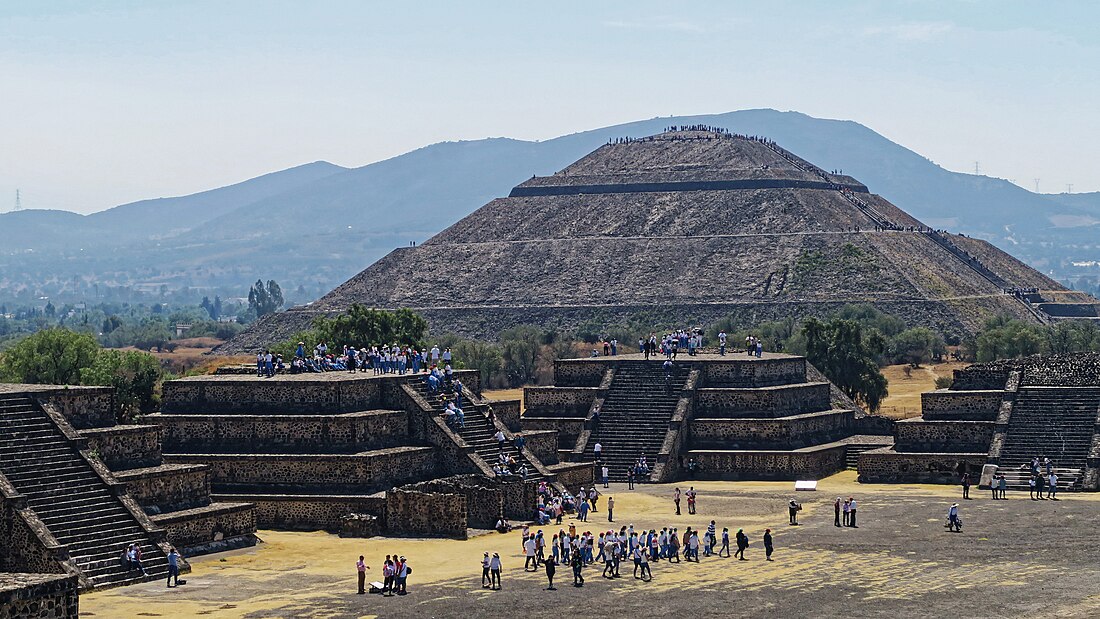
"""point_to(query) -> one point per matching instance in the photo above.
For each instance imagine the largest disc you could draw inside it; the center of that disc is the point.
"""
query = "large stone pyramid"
(683, 228)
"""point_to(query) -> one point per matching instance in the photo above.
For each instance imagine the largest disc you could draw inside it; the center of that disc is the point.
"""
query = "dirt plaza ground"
(1013, 558)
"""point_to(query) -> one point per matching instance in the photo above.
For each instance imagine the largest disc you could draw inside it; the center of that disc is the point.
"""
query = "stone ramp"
(80, 507)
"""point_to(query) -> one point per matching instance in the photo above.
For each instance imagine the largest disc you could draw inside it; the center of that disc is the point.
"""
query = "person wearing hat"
(300, 352)
(768, 544)
(486, 579)
(494, 571)
(793, 508)
(953, 523)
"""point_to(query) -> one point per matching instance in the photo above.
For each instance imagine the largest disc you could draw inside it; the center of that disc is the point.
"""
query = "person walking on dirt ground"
(768, 544)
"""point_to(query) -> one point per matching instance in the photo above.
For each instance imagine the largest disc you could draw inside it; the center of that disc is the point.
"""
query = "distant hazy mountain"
(318, 224)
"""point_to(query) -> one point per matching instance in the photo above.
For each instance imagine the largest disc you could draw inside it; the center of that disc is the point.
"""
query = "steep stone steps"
(66, 493)
(635, 415)
(478, 431)
(1053, 422)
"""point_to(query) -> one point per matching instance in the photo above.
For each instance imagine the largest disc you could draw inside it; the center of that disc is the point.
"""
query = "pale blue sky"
(106, 102)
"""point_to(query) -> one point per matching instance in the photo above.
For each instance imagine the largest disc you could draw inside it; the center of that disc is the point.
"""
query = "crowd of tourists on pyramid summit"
(378, 359)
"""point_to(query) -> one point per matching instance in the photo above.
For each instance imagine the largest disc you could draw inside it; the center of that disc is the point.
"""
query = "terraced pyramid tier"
(686, 227)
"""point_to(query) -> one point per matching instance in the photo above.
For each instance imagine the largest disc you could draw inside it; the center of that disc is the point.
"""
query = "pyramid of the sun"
(680, 229)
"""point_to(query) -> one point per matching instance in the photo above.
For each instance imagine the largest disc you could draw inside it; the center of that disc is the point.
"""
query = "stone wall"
(544, 444)
(922, 435)
(568, 428)
(749, 372)
(83, 407)
(946, 405)
(26, 545)
(196, 531)
(889, 466)
(787, 432)
(359, 472)
(762, 402)
(125, 447)
(780, 465)
(508, 412)
(38, 596)
(486, 499)
(229, 394)
(559, 401)
(169, 487)
(580, 373)
(573, 475)
(425, 514)
(283, 433)
(308, 512)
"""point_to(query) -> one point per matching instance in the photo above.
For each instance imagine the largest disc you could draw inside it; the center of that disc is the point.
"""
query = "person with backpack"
(742, 544)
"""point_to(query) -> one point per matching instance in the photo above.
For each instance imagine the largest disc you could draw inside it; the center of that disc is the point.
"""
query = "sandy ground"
(904, 399)
(1013, 557)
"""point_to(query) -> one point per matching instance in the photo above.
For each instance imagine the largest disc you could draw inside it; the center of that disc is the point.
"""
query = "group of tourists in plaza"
(610, 549)
(395, 576)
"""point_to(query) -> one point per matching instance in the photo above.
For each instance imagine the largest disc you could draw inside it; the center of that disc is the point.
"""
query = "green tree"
(1006, 339)
(134, 375)
(481, 356)
(264, 299)
(916, 346)
(846, 355)
(51, 356)
(520, 348)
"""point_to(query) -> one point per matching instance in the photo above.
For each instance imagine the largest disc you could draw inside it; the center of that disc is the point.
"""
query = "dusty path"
(1014, 557)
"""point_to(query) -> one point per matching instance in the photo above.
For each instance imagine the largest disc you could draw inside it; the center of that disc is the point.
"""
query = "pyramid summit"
(686, 227)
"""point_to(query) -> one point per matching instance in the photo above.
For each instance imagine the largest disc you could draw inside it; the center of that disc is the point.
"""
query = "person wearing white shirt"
(529, 553)
(494, 571)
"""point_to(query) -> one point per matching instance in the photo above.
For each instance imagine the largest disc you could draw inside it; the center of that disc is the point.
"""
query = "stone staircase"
(478, 432)
(1053, 422)
(635, 416)
(851, 453)
(77, 506)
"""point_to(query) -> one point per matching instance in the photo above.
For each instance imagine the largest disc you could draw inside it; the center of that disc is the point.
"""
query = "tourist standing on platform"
(360, 567)
(722, 343)
(768, 544)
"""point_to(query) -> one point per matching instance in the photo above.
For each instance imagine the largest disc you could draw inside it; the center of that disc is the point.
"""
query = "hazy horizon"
(111, 102)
